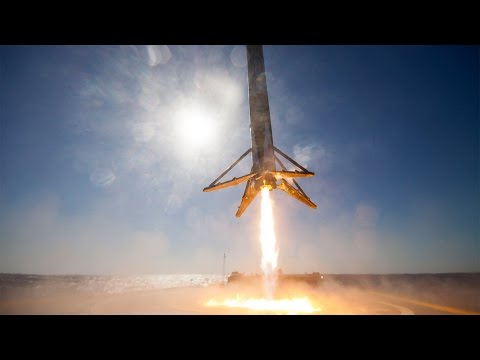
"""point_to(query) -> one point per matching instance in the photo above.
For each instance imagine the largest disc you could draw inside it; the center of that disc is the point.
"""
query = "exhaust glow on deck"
(279, 306)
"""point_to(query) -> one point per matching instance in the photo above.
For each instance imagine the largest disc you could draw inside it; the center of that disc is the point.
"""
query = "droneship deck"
(314, 278)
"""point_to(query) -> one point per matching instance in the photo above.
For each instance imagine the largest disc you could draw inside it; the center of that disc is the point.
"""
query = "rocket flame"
(268, 242)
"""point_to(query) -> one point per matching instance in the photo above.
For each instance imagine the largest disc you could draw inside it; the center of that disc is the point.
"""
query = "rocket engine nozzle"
(267, 180)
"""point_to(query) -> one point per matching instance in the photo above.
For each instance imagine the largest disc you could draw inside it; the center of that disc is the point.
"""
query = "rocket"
(264, 172)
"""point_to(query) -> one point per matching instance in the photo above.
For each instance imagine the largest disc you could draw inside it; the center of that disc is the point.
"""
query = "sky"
(105, 150)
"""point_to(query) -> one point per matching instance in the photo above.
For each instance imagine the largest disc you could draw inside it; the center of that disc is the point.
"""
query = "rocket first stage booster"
(264, 154)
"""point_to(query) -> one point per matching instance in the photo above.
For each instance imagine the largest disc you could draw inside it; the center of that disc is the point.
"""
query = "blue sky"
(105, 150)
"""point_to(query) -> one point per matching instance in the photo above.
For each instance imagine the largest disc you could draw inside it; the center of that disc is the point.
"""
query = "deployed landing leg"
(266, 178)
(235, 181)
(295, 191)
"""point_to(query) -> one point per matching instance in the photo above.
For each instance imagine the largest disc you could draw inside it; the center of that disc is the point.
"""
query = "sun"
(195, 127)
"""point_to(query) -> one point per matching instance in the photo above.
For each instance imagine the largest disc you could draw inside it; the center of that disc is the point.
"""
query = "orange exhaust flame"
(268, 242)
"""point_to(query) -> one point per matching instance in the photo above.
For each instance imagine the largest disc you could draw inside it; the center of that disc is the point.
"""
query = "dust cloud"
(189, 294)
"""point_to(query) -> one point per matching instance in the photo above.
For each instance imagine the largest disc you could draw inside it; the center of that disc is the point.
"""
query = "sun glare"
(196, 127)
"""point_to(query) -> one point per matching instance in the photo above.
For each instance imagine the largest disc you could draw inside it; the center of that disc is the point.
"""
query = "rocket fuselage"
(260, 123)
(263, 173)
